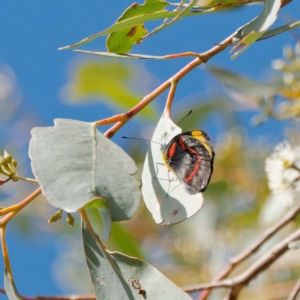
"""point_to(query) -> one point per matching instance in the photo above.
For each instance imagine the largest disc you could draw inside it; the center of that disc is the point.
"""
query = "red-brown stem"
(14, 209)
(202, 58)
(290, 216)
(170, 98)
(111, 120)
(69, 297)
(179, 55)
(237, 283)
(5, 254)
(295, 291)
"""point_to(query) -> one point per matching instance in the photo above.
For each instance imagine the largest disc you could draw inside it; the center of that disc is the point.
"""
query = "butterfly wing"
(190, 156)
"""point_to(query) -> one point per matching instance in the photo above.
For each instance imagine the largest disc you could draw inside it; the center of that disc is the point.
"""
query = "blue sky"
(31, 32)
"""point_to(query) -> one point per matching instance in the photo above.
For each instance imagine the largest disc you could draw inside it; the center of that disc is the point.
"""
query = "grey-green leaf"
(10, 288)
(74, 163)
(164, 195)
(279, 30)
(243, 84)
(253, 30)
(117, 276)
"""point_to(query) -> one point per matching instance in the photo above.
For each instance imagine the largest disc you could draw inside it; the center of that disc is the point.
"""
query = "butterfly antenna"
(180, 123)
(133, 138)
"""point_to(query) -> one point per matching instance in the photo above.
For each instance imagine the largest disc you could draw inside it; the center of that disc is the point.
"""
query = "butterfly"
(190, 156)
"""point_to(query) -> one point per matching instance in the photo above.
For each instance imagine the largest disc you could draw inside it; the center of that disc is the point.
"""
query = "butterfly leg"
(169, 179)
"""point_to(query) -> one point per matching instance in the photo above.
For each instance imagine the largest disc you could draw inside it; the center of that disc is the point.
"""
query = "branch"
(295, 291)
(11, 211)
(202, 58)
(290, 216)
(70, 297)
(238, 282)
(170, 98)
(5, 254)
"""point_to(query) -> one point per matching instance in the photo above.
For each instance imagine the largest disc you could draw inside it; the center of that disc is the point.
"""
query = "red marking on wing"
(194, 172)
(172, 149)
(182, 144)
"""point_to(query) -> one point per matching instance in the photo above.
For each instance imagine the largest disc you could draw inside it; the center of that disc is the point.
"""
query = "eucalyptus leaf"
(164, 195)
(127, 23)
(180, 14)
(278, 30)
(121, 41)
(74, 163)
(10, 288)
(117, 276)
(243, 84)
(252, 31)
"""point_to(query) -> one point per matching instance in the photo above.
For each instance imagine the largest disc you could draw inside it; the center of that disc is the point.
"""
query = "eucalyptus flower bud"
(8, 165)
(70, 219)
(57, 216)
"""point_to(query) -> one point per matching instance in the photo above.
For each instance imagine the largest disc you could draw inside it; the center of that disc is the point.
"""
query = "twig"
(184, 54)
(295, 291)
(290, 216)
(11, 211)
(69, 297)
(238, 282)
(180, 15)
(170, 98)
(18, 177)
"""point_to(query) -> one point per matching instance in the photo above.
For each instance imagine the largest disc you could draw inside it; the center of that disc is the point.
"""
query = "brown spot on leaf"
(136, 284)
(175, 211)
(132, 31)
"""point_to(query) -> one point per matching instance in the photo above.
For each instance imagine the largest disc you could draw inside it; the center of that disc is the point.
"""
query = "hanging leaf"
(252, 31)
(10, 288)
(164, 195)
(117, 276)
(74, 163)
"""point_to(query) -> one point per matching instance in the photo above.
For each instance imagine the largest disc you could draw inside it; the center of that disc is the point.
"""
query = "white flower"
(282, 168)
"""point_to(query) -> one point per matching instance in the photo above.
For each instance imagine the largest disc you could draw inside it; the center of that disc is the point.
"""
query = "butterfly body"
(190, 156)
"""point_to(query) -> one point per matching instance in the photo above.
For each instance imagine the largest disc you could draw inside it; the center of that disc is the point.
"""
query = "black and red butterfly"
(190, 156)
